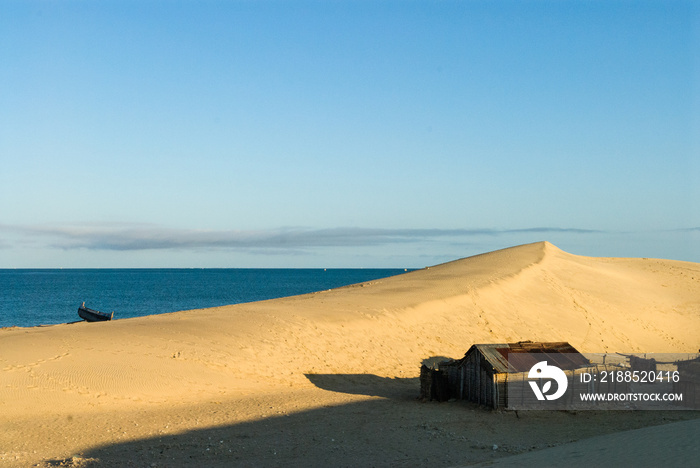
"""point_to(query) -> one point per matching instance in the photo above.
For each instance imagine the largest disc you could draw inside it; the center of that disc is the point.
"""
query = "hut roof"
(521, 356)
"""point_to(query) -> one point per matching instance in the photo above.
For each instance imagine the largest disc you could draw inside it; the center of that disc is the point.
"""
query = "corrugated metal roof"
(521, 356)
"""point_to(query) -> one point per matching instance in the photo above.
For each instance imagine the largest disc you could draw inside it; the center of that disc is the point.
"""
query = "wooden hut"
(481, 375)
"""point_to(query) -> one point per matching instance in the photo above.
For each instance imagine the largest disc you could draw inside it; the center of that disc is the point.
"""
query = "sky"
(364, 134)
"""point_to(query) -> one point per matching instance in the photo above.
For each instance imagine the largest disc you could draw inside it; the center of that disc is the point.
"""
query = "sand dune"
(130, 384)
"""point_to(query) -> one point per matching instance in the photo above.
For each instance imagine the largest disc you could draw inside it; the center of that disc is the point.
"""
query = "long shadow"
(373, 433)
(395, 430)
(376, 433)
(367, 384)
(373, 385)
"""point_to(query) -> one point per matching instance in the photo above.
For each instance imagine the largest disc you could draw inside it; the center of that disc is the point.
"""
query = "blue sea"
(43, 297)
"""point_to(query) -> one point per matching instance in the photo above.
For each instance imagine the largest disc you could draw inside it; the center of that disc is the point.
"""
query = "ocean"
(32, 297)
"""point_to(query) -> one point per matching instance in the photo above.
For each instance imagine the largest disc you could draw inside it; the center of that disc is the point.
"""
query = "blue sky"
(345, 133)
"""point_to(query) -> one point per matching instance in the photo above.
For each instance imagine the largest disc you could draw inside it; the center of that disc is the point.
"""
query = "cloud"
(548, 230)
(130, 237)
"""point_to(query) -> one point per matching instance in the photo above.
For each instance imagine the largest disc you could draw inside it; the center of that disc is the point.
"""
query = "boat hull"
(90, 315)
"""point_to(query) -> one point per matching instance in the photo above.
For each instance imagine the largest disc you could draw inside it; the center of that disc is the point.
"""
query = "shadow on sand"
(367, 384)
(391, 428)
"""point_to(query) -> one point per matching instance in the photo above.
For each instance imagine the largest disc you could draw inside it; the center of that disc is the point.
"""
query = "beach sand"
(331, 378)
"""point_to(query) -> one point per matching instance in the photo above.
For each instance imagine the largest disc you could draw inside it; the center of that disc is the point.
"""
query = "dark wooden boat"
(90, 315)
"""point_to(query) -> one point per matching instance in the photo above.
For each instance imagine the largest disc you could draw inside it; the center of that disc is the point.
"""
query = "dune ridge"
(270, 350)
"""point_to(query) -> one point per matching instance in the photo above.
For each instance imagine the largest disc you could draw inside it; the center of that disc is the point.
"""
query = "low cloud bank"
(128, 237)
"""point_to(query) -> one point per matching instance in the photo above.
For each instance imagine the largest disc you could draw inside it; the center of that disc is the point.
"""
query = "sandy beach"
(331, 378)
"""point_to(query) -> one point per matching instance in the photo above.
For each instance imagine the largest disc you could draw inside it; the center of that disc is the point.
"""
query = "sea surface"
(45, 296)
